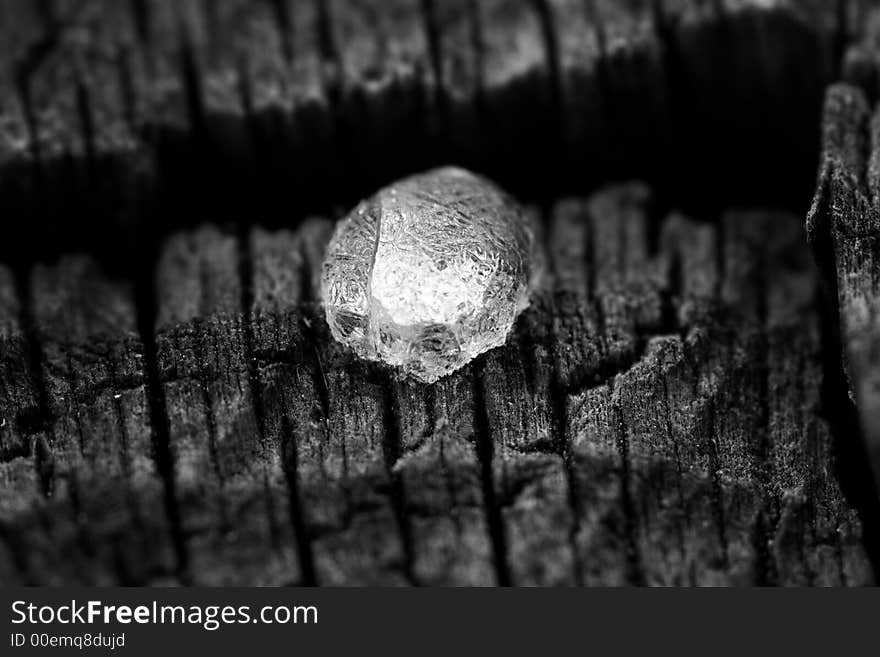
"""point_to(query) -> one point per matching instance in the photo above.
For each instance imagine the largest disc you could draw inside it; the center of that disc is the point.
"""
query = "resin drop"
(429, 272)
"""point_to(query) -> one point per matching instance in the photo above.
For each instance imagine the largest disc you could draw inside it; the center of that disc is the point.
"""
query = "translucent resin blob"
(429, 272)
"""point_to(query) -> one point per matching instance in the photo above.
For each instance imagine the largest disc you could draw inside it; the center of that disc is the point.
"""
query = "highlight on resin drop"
(429, 272)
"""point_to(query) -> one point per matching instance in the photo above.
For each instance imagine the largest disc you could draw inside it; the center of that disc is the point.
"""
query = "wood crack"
(547, 445)
(485, 451)
(391, 450)
(635, 572)
(162, 454)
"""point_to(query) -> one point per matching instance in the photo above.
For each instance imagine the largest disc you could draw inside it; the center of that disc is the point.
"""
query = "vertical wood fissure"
(485, 451)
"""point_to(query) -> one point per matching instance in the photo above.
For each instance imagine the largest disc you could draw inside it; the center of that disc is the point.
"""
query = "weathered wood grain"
(173, 409)
(84, 488)
(232, 103)
(844, 229)
(330, 417)
(655, 418)
(22, 433)
(860, 63)
(686, 448)
(230, 484)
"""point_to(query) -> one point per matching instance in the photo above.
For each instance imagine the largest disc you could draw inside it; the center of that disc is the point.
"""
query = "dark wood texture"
(232, 104)
(654, 419)
(173, 409)
(844, 229)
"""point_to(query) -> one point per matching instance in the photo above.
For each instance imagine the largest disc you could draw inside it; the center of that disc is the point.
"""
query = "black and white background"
(693, 400)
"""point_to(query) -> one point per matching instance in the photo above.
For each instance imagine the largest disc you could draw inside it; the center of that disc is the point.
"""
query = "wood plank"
(713, 492)
(330, 413)
(104, 487)
(843, 228)
(87, 481)
(663, 414)
(386, 81)
(767, 64)
(655, 418)
(229, 479)
(22, 433)
(518, 90)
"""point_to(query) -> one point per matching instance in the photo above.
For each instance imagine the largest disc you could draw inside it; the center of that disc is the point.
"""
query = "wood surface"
(668, 411)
